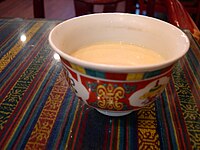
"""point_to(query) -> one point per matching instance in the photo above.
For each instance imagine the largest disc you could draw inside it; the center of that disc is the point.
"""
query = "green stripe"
(14, 38)
(162, 108)
(48, 78)
(188, 106)
(59, 124)
(169, 121)
(70, 120)
(24, 55)
(152, 74)
(15, 95)
(194, 65)
(95, 73)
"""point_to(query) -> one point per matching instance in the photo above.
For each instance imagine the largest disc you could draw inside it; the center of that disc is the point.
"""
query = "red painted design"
(91, 85)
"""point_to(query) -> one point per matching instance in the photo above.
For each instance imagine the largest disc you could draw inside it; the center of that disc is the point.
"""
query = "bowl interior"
(162, 37)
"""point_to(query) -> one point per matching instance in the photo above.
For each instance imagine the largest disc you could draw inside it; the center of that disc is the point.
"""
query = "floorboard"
(54, 9)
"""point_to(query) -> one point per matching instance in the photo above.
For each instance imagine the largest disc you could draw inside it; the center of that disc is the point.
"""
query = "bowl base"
(113, 113)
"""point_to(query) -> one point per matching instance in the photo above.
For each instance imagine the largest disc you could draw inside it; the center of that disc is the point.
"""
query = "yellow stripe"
(147, 125)
(170, 111)
(136, 76)
(25, 111)
(73, 120)
(5, 60)
(78, 68)
(118, 140)
(48, 115)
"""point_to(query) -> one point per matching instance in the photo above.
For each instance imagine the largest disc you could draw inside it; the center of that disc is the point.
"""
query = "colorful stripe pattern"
(39, 111)
(115, 76)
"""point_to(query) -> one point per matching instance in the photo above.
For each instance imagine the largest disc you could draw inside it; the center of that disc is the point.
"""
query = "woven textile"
(39, 111)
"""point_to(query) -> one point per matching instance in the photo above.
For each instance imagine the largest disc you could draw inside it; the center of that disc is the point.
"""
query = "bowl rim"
(114, 68)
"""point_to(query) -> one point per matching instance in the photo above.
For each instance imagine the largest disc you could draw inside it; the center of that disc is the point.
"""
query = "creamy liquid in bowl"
(119, 54)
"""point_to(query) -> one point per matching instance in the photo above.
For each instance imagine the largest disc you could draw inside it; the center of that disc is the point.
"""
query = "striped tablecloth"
(39, 111)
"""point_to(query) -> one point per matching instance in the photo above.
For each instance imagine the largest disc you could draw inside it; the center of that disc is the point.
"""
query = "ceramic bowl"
(118, 90)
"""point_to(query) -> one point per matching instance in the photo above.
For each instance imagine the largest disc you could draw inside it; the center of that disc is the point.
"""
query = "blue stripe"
(122, 138)
(151, 74)
(169, 122)
(100, 74)
(49, 80)
(94, 129)
(25, 83)
(59, 123)
(133, 134)
(3, 21)
(160, 122)
(21, 57)
(95, 73)
(15, 38)
(90, 72)
(7, 29)
(68, 124)
(194, 64)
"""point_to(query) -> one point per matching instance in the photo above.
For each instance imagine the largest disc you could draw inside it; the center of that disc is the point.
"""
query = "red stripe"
(195, 51)
(64, 121)
(23, 66)
(75, 129)
(127, 134)
(9, 36)
(23, 103)
(175, 106)
(193, 86)
(106, 134)
(116, 76)
(82, 130)
(111, 136)
(164, 121)
(114, 134)
(30, 96)
(65, 62)
(171, 99)
(117, 125)
(18, 72)
(196, 66)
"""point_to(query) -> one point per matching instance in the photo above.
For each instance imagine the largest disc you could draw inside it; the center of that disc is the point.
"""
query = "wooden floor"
(54, 9)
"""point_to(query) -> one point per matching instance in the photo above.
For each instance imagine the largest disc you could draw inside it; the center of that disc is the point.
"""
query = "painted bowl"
(118, 90)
